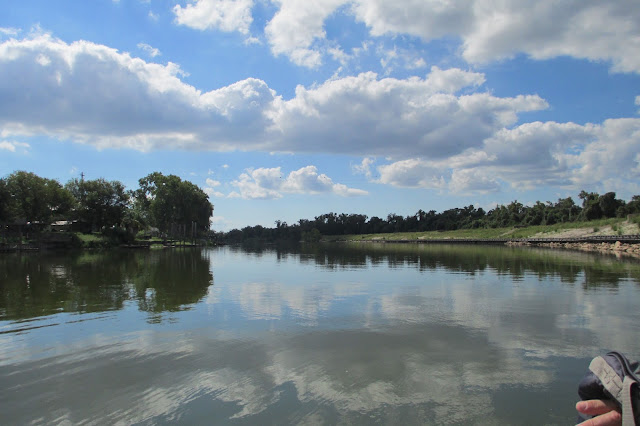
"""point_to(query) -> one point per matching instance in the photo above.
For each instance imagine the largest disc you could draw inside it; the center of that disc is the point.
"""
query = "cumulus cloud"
(212, 183)
(94, 94)
(210, 190)
(541, 29)
(269, 183)
(412, 173)
(12, 146)
(149, 50)
(614, 155)
(393, 117)
(223, 15)
(440, 131)
(296, 26)
(91, 93)
(529, 156)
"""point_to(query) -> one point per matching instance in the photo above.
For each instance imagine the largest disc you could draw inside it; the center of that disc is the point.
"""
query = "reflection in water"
(159, 280)
(393, 334)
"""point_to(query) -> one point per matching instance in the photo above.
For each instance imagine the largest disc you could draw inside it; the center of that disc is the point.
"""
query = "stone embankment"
(617, 247)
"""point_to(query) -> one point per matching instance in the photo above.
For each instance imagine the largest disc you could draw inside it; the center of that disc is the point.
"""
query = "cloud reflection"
(414, 337)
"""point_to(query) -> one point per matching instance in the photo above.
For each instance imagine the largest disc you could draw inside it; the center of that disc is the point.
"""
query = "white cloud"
(412, 173)
(638, 102)
(224, 15)
(296, 26)
(399, 57)
(260, 184)
(210, 188)
(364, 168)
(533, 155)
(472, 181)
(149, 50)
(392, 117)
(453, 80)
(90, 93)
(86, 88)
(9, 31)
(416, 63)
(613, 158)
(12, 146)
(153, 16)
(213, 193)
(307, 180)
(269, 183)
(542, 28)
(438, 131)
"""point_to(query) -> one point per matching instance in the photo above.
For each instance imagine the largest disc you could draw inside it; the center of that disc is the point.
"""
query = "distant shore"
(619, 237)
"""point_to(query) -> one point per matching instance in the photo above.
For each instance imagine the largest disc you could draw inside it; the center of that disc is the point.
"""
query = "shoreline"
(613, 246)
(617, 248)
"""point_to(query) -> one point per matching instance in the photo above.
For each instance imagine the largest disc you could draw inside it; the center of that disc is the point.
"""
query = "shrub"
(118, 235)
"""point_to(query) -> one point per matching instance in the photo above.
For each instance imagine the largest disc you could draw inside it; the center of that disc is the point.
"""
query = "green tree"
(590, 205)
(36, 199)
(566, 210)
(100, 202)
(168, 200)
(5, 201)
(609, 204)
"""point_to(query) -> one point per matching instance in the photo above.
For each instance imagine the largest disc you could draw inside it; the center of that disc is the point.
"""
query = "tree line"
(594, 206)
(161, 201)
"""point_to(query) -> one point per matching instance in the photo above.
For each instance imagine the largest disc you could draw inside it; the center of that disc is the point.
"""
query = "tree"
(5, 200)
(99, 202)
(168, 200)
(590, 205)
(633, 206)
(35, 199)
(565, 210)
(609, 204)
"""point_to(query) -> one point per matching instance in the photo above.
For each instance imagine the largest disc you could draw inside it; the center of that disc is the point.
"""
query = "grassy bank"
(614, 226)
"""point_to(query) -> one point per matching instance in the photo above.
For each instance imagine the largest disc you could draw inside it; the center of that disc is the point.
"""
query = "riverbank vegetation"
(100, 212)
(604, 214)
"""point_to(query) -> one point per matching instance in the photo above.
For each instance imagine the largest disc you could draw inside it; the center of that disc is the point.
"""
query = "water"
(363, 334)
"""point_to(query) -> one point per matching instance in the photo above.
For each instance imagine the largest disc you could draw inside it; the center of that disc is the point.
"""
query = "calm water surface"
(364, 334)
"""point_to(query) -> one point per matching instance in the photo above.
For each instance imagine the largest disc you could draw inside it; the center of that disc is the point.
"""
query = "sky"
(289, 109)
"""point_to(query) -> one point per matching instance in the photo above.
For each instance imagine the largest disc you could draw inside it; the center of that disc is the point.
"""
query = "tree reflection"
(589, 269)
(42, 284)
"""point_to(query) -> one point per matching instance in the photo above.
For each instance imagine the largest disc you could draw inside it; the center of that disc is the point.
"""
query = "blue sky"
(287, 109)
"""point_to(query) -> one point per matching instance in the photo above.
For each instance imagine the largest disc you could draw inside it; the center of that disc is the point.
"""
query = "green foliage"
(166, 200)
(5, 199)
(118, 235)
(32, 198)
(312, 236)
(99, 202)
(590, 205)
(609, 205)
(499, 222)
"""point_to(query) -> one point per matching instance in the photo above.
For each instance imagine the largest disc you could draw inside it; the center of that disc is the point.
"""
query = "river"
(317, 334)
